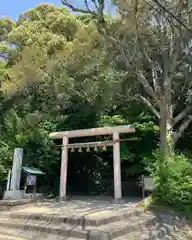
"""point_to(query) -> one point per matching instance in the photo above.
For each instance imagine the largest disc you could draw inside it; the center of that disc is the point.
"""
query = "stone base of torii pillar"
(13, 191)
(118, 201)
(14, 195)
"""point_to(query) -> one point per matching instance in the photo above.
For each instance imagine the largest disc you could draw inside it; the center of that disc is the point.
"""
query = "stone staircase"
(126, 225)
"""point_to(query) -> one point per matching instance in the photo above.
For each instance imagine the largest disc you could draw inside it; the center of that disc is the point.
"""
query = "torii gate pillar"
(64, 164)
(117, 168)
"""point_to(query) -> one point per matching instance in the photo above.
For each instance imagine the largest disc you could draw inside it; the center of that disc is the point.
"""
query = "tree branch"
(143, 50)
(150, 106)
(182, 115)
(182, 128)
(80, 10)
(147, 86)
(173, 16)
(100, 10)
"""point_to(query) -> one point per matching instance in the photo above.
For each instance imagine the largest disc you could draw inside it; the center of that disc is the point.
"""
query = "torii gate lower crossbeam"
(115, 131)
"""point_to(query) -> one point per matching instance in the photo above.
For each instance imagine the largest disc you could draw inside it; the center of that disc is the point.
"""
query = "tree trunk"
(164, 149)
(166, 139)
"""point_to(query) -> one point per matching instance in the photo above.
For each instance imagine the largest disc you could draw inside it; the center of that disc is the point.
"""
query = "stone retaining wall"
(175, 221)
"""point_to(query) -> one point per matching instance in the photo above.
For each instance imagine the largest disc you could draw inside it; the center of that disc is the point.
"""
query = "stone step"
(8, 237)
(6, 205)
(127, 226)
(14, 234)
(53, 237)
(110, 231)
(83, 219)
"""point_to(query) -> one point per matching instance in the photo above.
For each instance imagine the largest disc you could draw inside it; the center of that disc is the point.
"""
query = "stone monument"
(14, 193)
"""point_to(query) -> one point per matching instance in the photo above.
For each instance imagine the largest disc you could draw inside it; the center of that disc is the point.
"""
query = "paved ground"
(81, 205)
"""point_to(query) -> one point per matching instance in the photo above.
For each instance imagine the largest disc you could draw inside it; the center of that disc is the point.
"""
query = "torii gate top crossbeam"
(92, 132)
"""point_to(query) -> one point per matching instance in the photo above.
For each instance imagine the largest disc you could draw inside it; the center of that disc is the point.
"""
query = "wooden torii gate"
(115, 131)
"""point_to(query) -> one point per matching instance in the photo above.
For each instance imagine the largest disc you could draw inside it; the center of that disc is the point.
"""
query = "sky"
(12, 8)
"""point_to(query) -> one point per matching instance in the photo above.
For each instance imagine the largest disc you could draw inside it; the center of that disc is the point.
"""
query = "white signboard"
(148, 183)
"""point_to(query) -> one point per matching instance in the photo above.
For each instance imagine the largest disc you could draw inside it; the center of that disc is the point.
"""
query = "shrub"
(5, 160)
(176, 190)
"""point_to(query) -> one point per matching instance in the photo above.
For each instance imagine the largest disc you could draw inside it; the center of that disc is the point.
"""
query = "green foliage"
(176, 190)
(132, 152)
(106, 120)
(5, 160)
